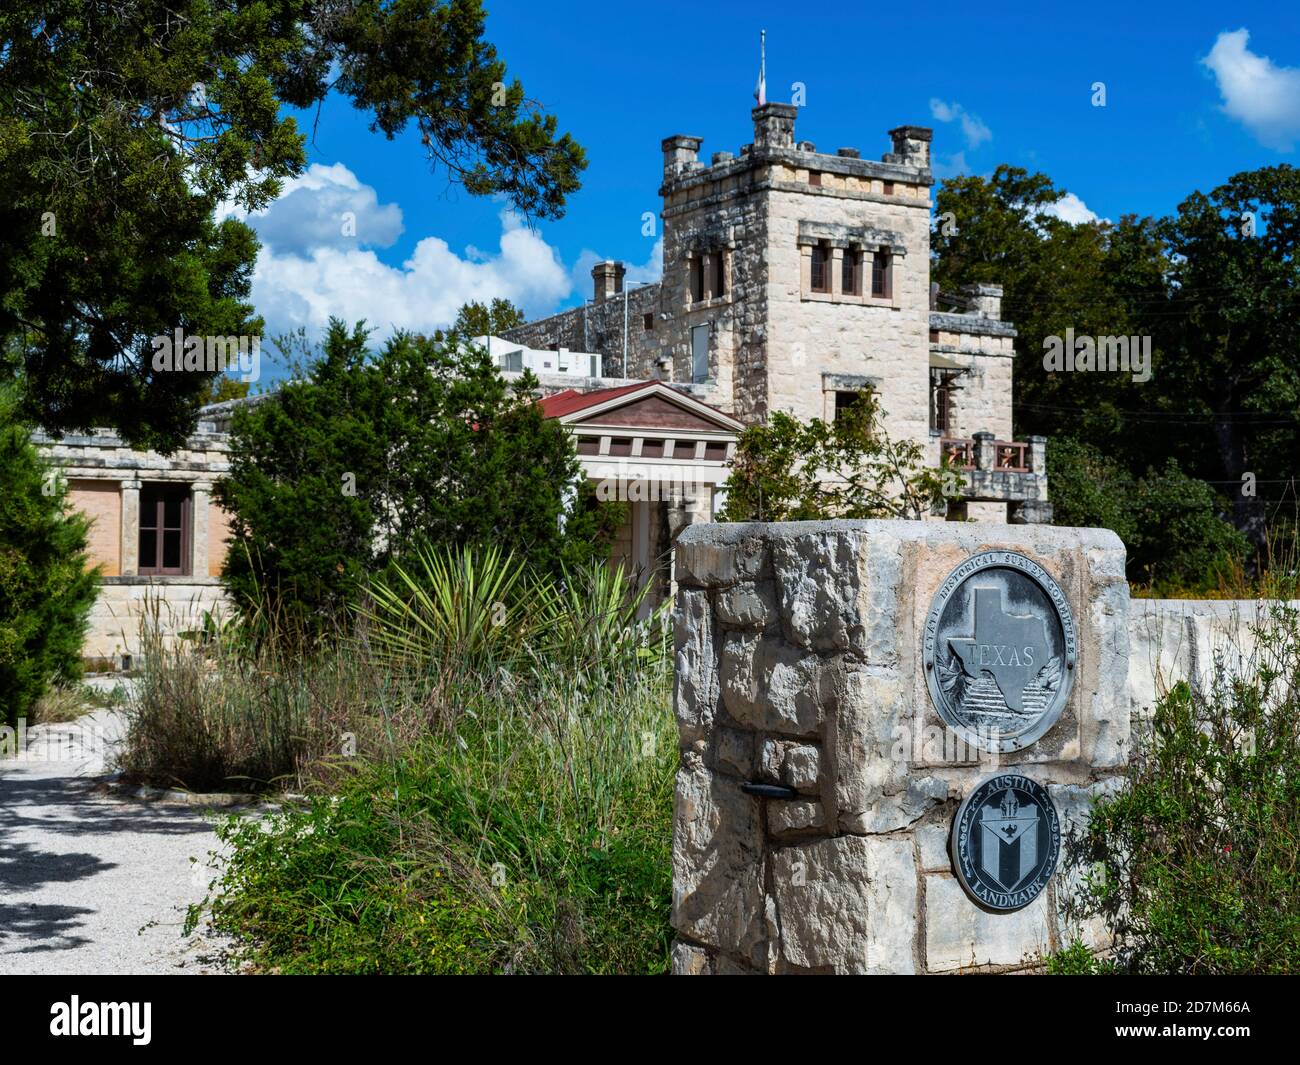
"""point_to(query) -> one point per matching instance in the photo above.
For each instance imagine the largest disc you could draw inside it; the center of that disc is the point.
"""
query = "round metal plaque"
(1006, 839)
(999, 651)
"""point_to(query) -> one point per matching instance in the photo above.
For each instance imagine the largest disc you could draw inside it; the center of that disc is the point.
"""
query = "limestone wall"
(799, 663)
(1192, 640)
(177, 603)
(599, 327)
(812, 338)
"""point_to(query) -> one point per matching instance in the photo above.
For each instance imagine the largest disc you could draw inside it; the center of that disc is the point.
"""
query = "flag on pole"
(760, 90)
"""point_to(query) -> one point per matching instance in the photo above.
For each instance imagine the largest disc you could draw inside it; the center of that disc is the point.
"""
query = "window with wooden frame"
(697, 279)
(943, 399)
(881, 274)
(845, 401)
(815, 178)
(719, 274)
(821, 268)
(851, 272)
(165, 530)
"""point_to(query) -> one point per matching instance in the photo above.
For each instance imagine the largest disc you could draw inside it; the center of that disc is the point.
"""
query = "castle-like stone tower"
(809, 270)
(792, 280)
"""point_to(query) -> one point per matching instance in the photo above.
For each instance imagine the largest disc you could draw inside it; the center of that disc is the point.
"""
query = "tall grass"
(224, 717)
(509, 803)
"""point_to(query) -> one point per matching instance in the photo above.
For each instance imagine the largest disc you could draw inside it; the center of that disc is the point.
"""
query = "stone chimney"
(984, 300)
(774, 125)
(911, 146)
(679, 152)
(609, 279)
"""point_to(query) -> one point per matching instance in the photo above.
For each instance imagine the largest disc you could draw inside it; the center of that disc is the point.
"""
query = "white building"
(512, 357)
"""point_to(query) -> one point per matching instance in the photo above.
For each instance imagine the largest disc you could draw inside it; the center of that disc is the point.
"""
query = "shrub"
(454, 859)
(375, 454)
(1194, 861)
(1078, 960)
(46, 585)
(788, 470)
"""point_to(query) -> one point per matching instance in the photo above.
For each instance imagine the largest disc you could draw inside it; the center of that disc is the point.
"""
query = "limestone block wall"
(1191, 640)
(719, 211)
(810, 337)
(178, 604)
(799, 663)
(598, 327)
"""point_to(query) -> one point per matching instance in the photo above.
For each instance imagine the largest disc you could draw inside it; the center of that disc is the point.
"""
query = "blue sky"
(1190, 100)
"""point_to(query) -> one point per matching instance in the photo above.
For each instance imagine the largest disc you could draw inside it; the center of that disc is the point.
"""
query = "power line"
(1246, 416)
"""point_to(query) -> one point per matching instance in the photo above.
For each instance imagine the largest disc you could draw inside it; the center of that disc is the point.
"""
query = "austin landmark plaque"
(1006, 839)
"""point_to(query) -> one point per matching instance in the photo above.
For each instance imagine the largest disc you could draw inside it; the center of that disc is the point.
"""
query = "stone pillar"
(985, 301)
(911, 146)
(985, 452)
(837, 271)
(679, 152)
(774, 125)
(801, 666)
(1038, 454)
(608, 278)
(199, 500)
(130, 528)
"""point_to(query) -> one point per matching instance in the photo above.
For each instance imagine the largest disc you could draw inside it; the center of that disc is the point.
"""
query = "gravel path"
(91, 883)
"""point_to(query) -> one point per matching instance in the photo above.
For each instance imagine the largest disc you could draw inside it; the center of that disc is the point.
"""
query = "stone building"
(792, 279)
(156, 533)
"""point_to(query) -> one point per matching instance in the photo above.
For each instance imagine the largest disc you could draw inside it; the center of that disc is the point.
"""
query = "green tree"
(46, 586)
(1173, 525)
(1235, 283)
(789, 470)
(424, 443)
(1180, 538)
(477, 319)
(1214, 287)
(226, 387)
(124, 126)
(1090, 277)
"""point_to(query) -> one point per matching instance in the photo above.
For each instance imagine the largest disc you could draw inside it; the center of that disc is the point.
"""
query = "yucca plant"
(464, 607)
(593, 618)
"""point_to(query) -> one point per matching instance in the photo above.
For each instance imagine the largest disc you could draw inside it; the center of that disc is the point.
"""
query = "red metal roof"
(571, 400)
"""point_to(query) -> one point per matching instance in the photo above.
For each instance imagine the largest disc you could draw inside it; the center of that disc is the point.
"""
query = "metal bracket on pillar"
(768, 791)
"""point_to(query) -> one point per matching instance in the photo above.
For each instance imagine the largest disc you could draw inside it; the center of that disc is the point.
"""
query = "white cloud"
(326, 206)
(1261, 96)
(424, 293)
(309, 270)
(972, 128)
(1069, 208)
(950, 165)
